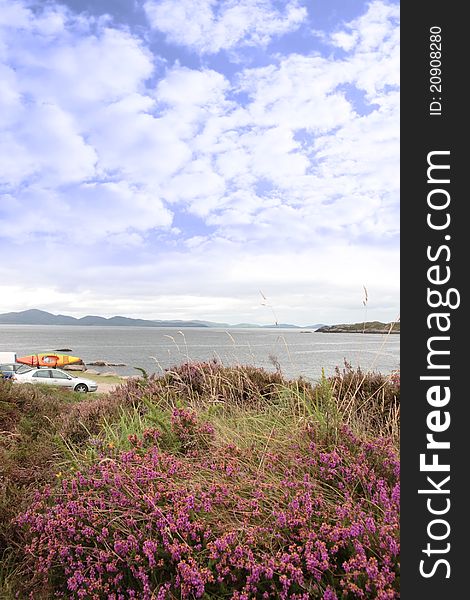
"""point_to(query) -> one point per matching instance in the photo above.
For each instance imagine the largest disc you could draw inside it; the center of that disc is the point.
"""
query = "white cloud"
(98, 155)
(321, 164)
(373, 30)
(77, 136)
(207, 26)
(301, 92)
(13, 14)
(374, 39)
(138, 146)
(47, 147)
(83, 214)
(298, 283)
(199, 185)
(76, 68)
(189, 142)
(183, 87)
(344, 40)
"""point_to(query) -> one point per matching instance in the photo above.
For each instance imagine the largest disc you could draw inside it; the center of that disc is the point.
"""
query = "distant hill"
(274, 326)
(36, 317)
(41, 317)
(367, 327)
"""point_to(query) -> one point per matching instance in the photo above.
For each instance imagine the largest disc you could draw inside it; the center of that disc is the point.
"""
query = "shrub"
(314, 522)
(206, 482)
(28, 415)
(204, 383)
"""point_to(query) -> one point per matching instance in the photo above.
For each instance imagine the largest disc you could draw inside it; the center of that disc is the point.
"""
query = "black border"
(422, 133)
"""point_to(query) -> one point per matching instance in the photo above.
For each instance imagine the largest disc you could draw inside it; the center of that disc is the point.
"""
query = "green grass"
(113, 379)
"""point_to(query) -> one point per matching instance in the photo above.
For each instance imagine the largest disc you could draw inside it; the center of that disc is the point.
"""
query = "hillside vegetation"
(365, 327)
(207, 482)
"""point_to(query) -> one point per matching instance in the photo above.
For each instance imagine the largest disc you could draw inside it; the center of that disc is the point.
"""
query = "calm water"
(154, 349)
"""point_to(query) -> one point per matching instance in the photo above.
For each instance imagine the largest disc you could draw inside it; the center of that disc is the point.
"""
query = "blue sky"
(172, 158)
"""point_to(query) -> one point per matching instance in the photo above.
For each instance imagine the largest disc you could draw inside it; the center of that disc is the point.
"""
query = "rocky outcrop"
(104, 363)
(368, 327)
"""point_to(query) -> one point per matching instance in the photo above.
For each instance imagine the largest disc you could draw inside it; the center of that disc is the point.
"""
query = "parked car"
(53, 376)
(8, 370)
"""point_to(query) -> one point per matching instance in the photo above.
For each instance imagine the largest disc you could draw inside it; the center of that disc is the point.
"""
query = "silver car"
(53, 376)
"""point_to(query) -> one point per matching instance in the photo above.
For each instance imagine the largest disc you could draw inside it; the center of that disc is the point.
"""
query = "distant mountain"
(211, 324)
(41, 317)
(274, 326)
(36, 317)
(367, 327)
(179, 323)
(282, 326)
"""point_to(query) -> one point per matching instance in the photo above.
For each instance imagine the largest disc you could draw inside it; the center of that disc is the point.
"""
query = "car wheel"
(81, 387)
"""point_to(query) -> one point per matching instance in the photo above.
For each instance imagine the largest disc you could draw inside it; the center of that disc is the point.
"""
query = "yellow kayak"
(48, 359)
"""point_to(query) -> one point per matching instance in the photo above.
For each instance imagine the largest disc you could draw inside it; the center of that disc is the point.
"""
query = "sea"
(295, 352)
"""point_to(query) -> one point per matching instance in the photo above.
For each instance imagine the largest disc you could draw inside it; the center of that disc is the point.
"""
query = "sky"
(224, 160)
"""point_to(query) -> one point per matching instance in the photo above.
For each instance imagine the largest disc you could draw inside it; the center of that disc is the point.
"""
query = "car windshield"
(24, 369)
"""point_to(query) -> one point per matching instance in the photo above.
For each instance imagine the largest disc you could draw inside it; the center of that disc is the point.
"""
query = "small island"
(365, 327)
